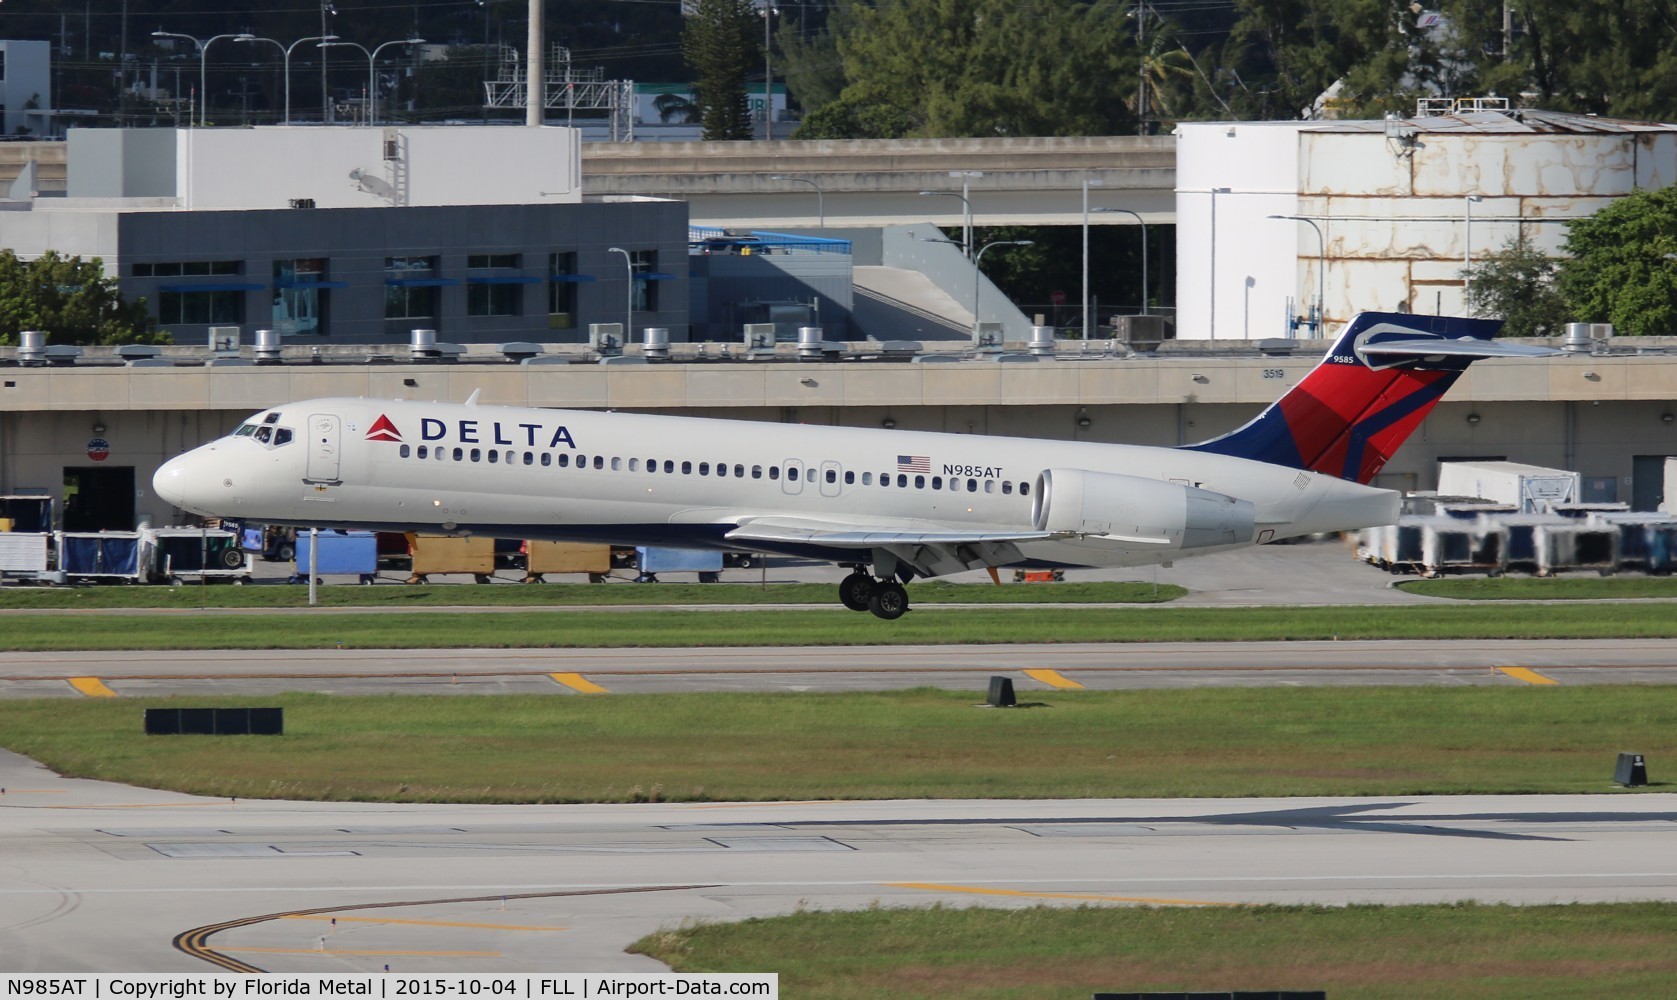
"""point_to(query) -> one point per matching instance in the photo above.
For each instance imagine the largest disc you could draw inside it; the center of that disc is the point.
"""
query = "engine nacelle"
(1101, 503)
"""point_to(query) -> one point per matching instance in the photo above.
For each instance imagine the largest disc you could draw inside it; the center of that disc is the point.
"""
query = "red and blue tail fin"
(1355, 409)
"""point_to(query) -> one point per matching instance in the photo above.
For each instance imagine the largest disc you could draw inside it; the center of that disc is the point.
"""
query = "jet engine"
(1137, 510)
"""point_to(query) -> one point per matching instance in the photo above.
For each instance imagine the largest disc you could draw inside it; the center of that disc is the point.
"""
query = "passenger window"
(546, 459)
(989, 486)
(774, 472)
(283, 436)
(616, 464)
(885, 479)
(704, 468)
(1007, 487)
(599, 463)
(722, 468)
(477, 455)
(512, 457)
(459, 455)
(494, 456)
(902, 481)
(756, 472)
(867, 479)
(669, 466)
(832, 475)
(403, 451)
(530, 459)
(792, 473)
(424, 452)
(919, 482)
(739, 472)
(687, 468)
(1024, 489)
(564, 459)
(972, 486)
(850, 479)
(634, 465)
(937, 482)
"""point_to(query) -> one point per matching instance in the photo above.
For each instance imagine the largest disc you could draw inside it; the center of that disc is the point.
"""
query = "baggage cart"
(27, 555)
(341, 553)
(202, 554)
(541, 558)
(104, 556)
(451, 554)
(1571, 546)
(653, 560)
(1452, 546)
(26, 512)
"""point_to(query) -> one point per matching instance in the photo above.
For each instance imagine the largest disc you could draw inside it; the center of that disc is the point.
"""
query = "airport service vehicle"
(891, 505)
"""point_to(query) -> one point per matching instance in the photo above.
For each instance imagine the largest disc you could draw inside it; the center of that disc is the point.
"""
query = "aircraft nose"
(181, 480)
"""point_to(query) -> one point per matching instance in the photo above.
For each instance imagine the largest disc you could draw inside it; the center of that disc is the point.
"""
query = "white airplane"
(890, 505)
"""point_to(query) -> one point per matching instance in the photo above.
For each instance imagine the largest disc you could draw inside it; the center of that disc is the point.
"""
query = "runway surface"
(842, 668)
(101, 877)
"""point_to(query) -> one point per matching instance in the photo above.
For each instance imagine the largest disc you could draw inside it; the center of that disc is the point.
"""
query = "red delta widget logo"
(383, 430)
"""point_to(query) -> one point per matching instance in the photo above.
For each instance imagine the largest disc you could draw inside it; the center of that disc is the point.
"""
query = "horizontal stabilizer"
(1464, 347)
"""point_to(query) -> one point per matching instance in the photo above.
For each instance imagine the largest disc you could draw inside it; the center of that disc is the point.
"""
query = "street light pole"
(629, 317)
(965, 244)
(203, 63)
(1321, 270)
(1088, 182)
(820, 202)
(285, 51)
(768, 76)
(1467, 257)
(966, 228)
(978, 275)
(372, 77)
(1143, 224)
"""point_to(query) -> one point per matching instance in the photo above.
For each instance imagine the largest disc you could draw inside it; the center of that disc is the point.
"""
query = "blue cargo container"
(654, 560)
(341, 553)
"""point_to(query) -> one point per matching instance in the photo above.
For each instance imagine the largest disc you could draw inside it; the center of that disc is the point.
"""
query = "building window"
(299, 299)
(561, 290)
(200, 307)
(644, 263)
(190, 268)
(404, 296)
(492, 288)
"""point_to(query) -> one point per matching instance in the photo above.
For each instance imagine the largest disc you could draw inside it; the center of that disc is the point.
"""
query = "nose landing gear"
(887, 599)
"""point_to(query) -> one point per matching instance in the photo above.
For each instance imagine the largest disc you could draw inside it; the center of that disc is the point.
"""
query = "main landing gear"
(887, 599)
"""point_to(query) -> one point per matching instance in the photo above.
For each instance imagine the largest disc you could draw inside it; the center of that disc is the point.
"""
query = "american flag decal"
(914, 463)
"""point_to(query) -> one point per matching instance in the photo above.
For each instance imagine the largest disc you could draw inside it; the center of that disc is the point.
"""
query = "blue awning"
(504, 279)
(575, 279)
(656, 276)
(212, 287)
(422, 282)
(305, 285)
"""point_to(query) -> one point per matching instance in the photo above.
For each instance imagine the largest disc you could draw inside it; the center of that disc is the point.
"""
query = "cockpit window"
(263, 434)
(282, 436)
(245, 430)
(271, 418)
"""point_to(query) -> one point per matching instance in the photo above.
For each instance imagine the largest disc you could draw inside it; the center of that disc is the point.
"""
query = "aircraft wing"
(930, 550)
(1465, 347)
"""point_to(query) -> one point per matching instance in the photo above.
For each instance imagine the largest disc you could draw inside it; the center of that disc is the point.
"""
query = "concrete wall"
(120, 163)
(916, 248)
(436, 165)
(27, 77)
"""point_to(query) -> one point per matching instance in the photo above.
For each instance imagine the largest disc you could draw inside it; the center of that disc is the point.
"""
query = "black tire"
(286, 553)
(889, 601)
(854, 591)
(709, 577)
(233, 558)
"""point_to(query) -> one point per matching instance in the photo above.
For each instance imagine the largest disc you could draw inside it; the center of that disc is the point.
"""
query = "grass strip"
(921, 743)
(564, 595)
(1463, 950)
(826, 627)
(1504, 588)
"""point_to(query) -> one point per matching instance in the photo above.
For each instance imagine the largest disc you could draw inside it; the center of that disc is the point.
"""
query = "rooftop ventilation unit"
(32, 347)
(1042, 341)
(267, 347)
(606, 339)
(519, 351)
(655, 343)
(759, 339)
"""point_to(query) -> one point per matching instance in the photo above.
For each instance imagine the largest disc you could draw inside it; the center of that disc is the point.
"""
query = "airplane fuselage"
(643, 479)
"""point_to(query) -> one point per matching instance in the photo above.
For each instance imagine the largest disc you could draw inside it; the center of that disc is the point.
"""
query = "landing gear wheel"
(889, 600)
(854, 591)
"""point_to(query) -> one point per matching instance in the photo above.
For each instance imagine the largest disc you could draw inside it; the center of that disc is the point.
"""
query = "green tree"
(72, 300)
(993, 67)
(1517, 284)
(1618, 271)
(845, 119)
(720, 43)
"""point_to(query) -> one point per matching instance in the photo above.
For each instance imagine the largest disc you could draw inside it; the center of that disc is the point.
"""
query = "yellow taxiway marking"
(339, 951)
(93, 687)
(982, 891)
(579, 683)
(1053, 678)
(1528, 675)
(417, 923)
